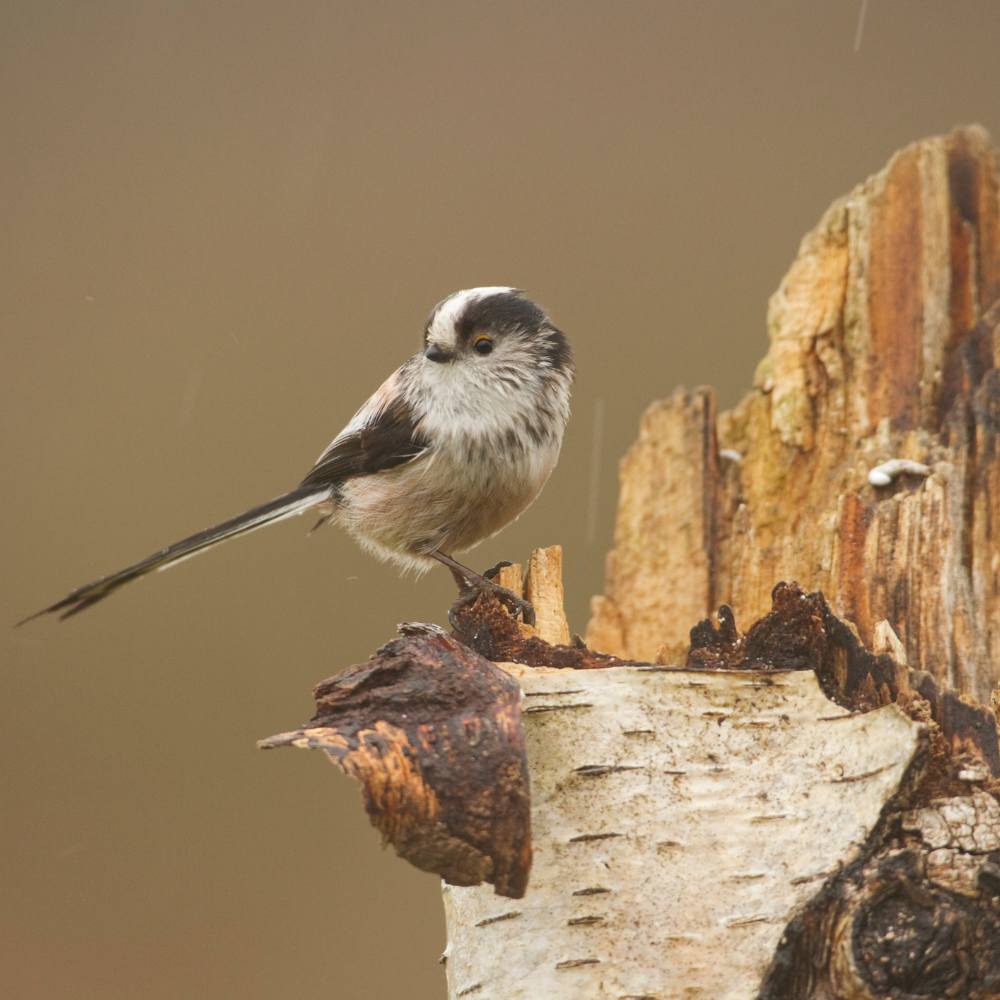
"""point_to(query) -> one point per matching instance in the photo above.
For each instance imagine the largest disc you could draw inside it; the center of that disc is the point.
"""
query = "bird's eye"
(483, 345)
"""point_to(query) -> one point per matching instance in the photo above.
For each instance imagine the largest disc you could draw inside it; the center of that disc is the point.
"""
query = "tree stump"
(805, 810)
(787, 816)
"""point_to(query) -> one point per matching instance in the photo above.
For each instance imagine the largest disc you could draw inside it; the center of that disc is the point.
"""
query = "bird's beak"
(435, 353)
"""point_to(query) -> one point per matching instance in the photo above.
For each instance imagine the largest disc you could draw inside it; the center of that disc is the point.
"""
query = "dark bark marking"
(747, 921)
(864, 776)
(538, 709)
(802, 879)
(486, 921)
(600, 770)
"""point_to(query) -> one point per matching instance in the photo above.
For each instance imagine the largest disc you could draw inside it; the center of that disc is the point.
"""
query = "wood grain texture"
(884, 343)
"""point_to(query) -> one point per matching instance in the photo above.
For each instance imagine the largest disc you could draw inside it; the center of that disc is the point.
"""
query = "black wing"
(381, 436)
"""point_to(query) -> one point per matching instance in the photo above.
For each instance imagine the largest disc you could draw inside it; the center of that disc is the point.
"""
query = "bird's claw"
(514, 604)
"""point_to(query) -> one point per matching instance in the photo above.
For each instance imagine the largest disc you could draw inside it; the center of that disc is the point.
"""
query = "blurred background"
(226, 223)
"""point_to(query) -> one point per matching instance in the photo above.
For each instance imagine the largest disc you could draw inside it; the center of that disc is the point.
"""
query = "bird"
(451, 448)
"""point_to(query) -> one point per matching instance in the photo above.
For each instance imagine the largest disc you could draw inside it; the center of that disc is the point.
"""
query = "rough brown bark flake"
(432, 731)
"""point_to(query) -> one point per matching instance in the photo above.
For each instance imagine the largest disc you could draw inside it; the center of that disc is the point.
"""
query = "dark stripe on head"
(501, 313)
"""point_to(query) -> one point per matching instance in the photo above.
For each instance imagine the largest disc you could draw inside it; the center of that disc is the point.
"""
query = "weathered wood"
(885, 343)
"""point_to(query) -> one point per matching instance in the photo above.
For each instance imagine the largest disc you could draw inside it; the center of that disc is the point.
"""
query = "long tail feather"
(281, 507)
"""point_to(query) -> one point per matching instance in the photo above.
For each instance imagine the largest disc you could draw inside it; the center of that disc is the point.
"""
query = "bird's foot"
(484, 585)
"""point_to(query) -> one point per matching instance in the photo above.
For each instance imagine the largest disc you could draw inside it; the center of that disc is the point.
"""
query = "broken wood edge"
(800, 632)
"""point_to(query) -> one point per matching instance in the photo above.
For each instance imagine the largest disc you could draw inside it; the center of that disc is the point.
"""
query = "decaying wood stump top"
(884, 344)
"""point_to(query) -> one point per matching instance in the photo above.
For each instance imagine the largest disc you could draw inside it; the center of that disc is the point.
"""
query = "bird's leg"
(471, 584)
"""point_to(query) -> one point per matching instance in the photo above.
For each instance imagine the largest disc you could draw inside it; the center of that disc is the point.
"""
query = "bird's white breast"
(489, 457)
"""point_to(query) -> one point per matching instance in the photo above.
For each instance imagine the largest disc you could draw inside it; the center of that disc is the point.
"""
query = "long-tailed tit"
(452, 447)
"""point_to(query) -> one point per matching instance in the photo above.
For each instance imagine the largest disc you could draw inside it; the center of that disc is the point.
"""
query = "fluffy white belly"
(448, 500)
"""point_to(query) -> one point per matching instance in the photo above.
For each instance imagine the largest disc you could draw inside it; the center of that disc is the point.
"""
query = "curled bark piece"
(432, 731)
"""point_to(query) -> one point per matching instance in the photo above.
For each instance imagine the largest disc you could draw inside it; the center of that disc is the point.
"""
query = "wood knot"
(914, 940)
(908, 938)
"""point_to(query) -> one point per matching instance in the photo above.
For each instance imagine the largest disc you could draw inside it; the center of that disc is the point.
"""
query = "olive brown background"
(224, 225)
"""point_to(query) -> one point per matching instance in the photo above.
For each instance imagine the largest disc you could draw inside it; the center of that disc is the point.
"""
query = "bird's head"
(495, 333)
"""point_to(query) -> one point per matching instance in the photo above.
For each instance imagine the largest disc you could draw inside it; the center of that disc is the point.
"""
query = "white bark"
(679, 820)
